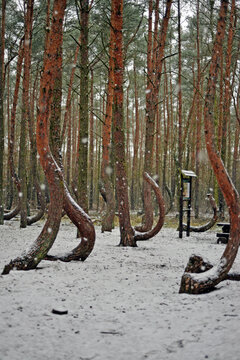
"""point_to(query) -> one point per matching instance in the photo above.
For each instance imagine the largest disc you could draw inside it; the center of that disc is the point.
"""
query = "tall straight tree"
(106, 170)
(127, 233)
(155, 55)
(28, 20)
(11, 144)
(84, 119)
(198, 117)
(2, 27)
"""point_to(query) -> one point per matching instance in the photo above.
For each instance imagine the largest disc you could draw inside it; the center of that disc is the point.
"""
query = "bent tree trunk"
(210, 223)
(149, 234)
(156, 54)
(193, 283)
(52, 61)
(128, 236)
(73, 210)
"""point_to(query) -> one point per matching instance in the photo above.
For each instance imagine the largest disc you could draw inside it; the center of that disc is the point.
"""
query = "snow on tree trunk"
(206, 281)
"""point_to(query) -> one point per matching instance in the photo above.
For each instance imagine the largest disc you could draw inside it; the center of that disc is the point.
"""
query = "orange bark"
(205, 282)
(151, 105)
(107, 221)
(52, 61)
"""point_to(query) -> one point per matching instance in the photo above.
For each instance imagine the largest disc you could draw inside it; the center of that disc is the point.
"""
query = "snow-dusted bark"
(203, 282)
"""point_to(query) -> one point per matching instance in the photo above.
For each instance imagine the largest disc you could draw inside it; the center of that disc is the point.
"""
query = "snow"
(121, 303)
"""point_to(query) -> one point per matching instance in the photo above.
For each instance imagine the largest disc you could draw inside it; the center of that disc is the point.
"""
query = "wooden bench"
(224, 235)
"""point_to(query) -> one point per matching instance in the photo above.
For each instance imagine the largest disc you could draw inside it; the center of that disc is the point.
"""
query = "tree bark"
(106, 169)
(147, 220)
(210, 223)
(204, 282)
(83, 132)
(52, 61)
(91, 143)
(151, 105)
(198, 118)
(2, 42)
(126, 231)
(136, 145)
(11, 144)
(25, 112)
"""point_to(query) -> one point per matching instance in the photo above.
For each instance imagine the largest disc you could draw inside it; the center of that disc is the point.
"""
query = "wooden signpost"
(185, 198)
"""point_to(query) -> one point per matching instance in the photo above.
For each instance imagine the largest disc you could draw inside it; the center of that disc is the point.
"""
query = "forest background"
(177, 132)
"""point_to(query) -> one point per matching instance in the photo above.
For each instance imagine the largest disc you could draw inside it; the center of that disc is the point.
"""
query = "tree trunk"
(126, 231)
(151, 104)
(106, 169)
(83, 132)
(180, 146)
(204, 282)
(136, 146)
(210, 223)
(91, 157)
(25, 112)
(11, 144)
(199, 119)
(147, 220)
(2, 27)
(52, 61)
(68, 102)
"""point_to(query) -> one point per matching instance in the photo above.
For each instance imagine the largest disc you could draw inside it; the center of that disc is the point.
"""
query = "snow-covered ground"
(122, 303)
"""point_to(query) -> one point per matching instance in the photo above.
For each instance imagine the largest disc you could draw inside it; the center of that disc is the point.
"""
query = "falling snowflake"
(43, 186)
(109, 170)
(84, 140)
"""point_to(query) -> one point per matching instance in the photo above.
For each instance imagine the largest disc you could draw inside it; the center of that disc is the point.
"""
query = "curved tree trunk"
(84, 224)
(128, 236)
(151, 106)
(204, 282)
(210, 223)
(85, 228)
(147, 220)
(41, 198)
(52, 61)
(149, 234)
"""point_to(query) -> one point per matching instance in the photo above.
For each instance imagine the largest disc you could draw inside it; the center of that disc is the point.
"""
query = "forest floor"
(122, 303)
